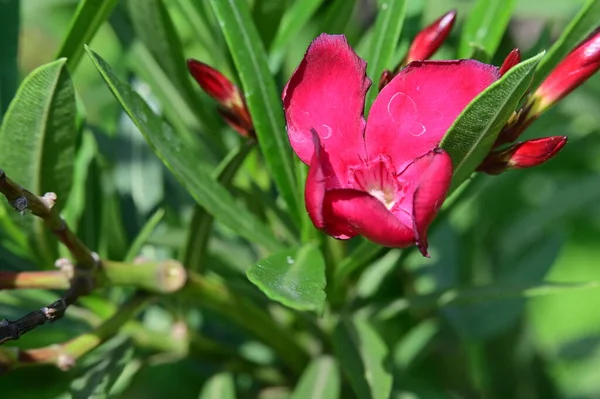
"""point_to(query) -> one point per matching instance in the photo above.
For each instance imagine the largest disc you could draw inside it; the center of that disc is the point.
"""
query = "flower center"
(376, 177)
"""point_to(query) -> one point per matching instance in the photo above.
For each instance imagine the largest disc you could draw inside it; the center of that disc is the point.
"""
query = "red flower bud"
(386, 77)
(523, 155)
(231, 103)
(575, 69)
(431, 38)
(512, 59)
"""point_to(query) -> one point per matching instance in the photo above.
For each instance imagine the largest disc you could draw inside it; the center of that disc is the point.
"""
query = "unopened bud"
(523, 155)
(575, 69)
(512, 59)
(386, 77)
(228, 95)
(429, 40)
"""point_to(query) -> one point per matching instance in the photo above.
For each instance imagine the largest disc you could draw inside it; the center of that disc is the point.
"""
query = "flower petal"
(413, 112)
(327, 93)
(349, 212)
(431, 175)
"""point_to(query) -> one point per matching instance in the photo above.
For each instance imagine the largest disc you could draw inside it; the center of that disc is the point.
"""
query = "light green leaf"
(220, 386)
(577, 30)
(76, 202)
(473, 133)
(153, 26)
(485, 27)
(184, 163)
(320, 380)
(296, 278)
(38, 137)
(294, 19)
(9, 46)
(388, 25)
(90, 15)
(261, 95)
(362, 355)
(142, 237)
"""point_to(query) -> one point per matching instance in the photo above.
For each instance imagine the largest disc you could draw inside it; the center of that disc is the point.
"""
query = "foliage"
(194, 270)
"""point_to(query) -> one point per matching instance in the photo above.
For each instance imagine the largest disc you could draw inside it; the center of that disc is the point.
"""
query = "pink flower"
(385, 179)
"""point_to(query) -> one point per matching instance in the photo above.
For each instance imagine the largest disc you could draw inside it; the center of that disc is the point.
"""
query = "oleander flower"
(384, 179)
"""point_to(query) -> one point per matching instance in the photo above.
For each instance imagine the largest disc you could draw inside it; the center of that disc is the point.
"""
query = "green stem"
(214, 295)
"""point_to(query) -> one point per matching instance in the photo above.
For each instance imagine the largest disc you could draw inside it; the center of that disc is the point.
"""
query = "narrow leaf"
(153, 26)
(142, 237)
(201, 223)
(220, 386)
(485, 27)
(337, 16)
(101, 369)
(386, 35)
(577, 30)
(9, 46)
(90, 15)
(295, 278)
(261, 95)
(267, 16)
(473, 133)
(362, 355)
(38, 137)
(184, 163)
(320, 380)
(294, 19)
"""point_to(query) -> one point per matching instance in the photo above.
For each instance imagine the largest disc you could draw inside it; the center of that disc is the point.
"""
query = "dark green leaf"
(9, 46)
(38, 137)
(337, 16)
(485, 27)
(100, 369)
(320, 380)
(220, 386)
(386, 35)
(583, 24)
(143, 235)
(267, 16)
(296, 278)
(362, 355)
(90, 15)
(184, 163)
(261, 95)
(473, 133)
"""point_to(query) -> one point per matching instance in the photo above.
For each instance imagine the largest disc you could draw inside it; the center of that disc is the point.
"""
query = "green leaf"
(155, 29)
(388, 25)
(337, 16)
(294, 19)
(320, 380)
(577, 30)
(184, 163)
(142, 237)
(9, 47)
(261, 95)
(201, 224)
(76, 202)
(220, 386)
(90, 15)
(485, 27)
(38, 137)
(473, 133)
(267, 16)
(295, 278)
(362, 355)
(100, 369)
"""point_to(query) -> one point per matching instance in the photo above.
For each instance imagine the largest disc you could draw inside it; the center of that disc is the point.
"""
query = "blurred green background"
(521, 227)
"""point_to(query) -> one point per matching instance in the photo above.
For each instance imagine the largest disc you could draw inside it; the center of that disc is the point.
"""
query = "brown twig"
(86, 261)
